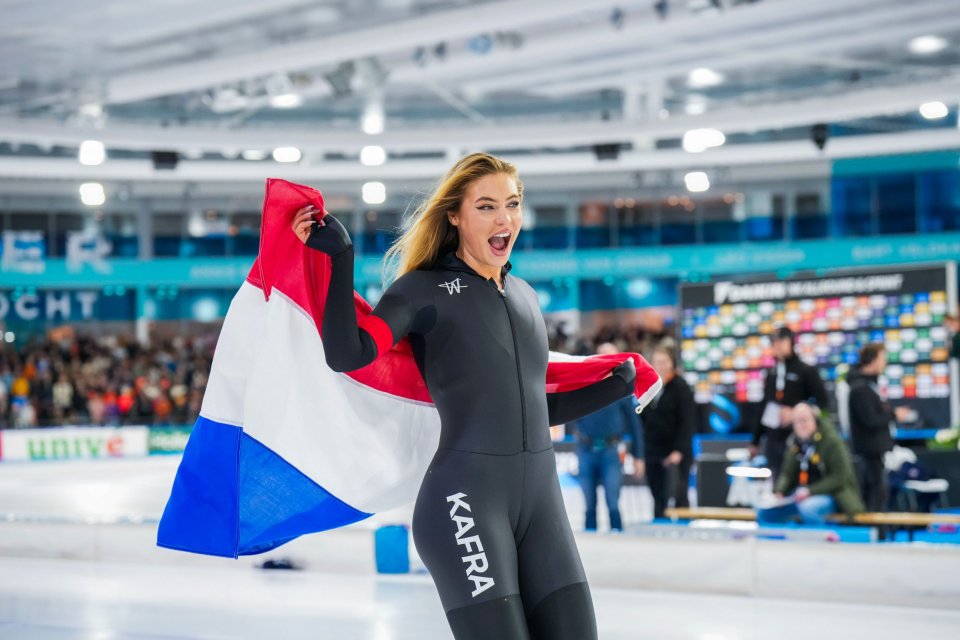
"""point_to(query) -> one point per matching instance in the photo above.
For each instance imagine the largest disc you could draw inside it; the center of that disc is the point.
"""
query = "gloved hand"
(329, 236)
(627, 372)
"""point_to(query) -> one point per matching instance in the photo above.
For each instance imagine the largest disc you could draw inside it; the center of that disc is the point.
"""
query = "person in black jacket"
(790, 382)
(668, 426)
(871, 420)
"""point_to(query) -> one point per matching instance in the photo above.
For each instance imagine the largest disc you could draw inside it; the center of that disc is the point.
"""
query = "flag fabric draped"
(285, 446)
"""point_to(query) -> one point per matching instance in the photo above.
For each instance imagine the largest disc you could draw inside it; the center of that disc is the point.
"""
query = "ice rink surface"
(71, 598)
(54, 599)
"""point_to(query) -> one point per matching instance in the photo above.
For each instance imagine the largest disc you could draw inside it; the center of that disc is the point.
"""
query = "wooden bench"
(889, 523)
(886, 523)
(711, 513)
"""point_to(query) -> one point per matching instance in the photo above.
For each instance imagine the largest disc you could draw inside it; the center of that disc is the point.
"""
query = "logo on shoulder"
(453, 286)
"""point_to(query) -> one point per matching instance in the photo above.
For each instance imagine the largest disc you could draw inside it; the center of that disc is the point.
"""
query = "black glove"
(329, 237)
(627, 372)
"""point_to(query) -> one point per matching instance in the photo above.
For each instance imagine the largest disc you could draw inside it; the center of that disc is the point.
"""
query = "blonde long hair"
(428, 234)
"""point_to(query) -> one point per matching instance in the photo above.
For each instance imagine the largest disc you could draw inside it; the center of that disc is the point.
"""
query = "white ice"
(141, 593)
(101, 601)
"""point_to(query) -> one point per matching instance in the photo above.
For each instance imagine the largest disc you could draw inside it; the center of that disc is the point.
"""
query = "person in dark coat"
(598, 438)
(668, 427)
(790, 382)
(871, 421)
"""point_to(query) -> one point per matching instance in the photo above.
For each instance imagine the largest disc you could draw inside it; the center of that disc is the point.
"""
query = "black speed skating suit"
(489, 521)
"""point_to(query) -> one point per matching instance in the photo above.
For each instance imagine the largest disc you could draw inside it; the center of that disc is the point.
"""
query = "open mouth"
(500, 242)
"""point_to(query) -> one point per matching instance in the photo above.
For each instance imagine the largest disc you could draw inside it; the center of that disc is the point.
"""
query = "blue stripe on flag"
(279, 503)
(234, 496)
(202, 514)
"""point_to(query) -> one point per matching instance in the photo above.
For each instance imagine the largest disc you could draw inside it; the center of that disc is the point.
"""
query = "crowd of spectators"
(66, 379)
(113, 380)
(634, 339)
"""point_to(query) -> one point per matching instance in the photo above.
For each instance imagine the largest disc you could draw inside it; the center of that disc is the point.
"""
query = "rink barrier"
(650, 557)
(77, 520)
(687, 562)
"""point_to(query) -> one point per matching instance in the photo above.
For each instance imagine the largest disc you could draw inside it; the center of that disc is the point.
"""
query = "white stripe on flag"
(367, 447)
(234, 357)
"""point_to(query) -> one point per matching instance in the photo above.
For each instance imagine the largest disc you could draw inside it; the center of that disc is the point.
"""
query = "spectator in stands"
(21, 386)
(125, 402)
(790, 382)
(178, 397)
(62, 397)
(22, 412)
(25, 414)
(96, 408)
(42, 390)
(111, 407)
(871, 423)
(162, 409)
(194, 402)
(598, 453)
(669, 423)
(4, 397)
(817, 477)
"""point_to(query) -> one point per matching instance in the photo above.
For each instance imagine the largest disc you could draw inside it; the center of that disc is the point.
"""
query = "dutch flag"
(285, 446)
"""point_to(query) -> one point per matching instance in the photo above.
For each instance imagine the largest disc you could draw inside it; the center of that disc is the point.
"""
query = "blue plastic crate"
(392, 549)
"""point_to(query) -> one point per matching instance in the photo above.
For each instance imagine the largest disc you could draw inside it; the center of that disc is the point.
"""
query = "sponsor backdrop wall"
(725, 327)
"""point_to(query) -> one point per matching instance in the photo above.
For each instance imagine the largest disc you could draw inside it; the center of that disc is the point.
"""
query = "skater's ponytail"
(428, 234)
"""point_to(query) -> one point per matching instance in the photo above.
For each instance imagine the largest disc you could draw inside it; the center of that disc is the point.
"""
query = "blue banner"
(28, 305)
(687, 262)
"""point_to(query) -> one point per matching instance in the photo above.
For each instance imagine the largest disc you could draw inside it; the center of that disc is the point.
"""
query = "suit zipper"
(516, 355)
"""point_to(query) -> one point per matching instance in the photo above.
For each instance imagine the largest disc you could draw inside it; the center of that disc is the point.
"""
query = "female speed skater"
(489, 521)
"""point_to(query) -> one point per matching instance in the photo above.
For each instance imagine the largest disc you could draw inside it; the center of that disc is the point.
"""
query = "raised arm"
(347, 344)
(567, 406)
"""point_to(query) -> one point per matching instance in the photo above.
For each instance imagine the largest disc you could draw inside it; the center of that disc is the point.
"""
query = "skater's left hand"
(626, 371)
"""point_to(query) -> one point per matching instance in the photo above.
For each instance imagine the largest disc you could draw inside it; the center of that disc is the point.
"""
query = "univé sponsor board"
(73, 443)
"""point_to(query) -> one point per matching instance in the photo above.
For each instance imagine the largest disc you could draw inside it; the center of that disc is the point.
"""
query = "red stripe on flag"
(379, 331)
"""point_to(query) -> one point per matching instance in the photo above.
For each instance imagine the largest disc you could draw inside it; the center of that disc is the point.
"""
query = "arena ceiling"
(224, 83)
